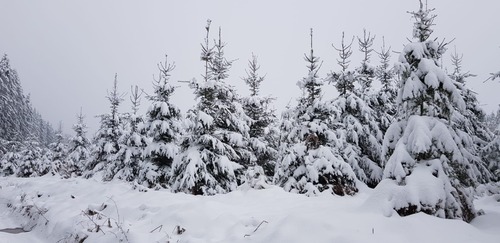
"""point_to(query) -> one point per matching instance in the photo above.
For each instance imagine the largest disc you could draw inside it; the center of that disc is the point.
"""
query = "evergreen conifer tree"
(163, 126)
(105, 149)
(79, 149)
(29, 163)
(470, 124)
(132, 143)
(354, 122)
(13, 125)
(491, 154)
(309, 161)
(10, 157)
(215, 149)
(258, 109)
(423, 155)
(18, 119)
(493, 120)
(59, 152)
(385, 98)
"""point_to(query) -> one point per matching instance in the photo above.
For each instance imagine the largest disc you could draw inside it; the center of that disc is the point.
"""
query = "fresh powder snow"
(61, 210)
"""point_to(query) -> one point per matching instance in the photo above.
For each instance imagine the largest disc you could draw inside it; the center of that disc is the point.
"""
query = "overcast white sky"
(67, 52)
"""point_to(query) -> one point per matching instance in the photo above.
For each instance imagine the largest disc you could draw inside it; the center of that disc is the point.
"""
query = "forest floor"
(69, 210)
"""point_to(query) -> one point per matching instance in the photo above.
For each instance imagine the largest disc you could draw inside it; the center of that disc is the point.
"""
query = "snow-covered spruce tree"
(309, 163)
(163, 126)
(286, 124)
(491, 155)
(30, 163)
(214, 152)
(426, 168)
(59, 151)
(3, 147)
(385, 98)
(27, 159)
(474, 134)
(9, 156)
(258, 109)
(9, 163)
(13, 121)
(46, 164)
(492, 120)
(355, 123)
(18, 119)
(78, 150)
(105, 144)
(131, 144)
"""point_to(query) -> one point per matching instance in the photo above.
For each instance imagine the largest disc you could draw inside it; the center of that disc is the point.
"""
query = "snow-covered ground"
(58, 210)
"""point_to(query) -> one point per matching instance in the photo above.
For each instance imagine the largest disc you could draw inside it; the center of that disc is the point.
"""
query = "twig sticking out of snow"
(258, 226)
(89, 213)
(116, 207)
(157, 228)
(41, 212)
(179, 230)
(118, 223)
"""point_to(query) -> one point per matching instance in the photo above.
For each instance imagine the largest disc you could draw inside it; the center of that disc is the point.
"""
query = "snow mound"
(423, 191)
